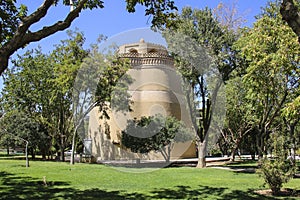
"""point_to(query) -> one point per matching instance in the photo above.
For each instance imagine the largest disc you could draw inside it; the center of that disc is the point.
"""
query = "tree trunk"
(201, 154)
(293, 147)
(7, 149)
(260, 145)
(291, 15)
(72, 160)
(44, 154)
(32, 153)
(62, 148)
(232, 155)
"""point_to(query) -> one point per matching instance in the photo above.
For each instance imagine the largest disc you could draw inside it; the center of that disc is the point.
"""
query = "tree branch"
(58, 26)
(23, 36)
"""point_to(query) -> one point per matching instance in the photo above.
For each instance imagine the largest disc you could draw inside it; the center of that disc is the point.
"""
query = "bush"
(276, 172)
(279, 169)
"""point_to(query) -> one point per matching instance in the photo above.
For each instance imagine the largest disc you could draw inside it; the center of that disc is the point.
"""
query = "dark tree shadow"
(206, 192)
(16, 187)
(249, 195)
(186, 192)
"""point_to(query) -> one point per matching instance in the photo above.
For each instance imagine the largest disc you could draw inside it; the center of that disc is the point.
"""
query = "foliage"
(63, 87)
(101, 82)
(277, 170)
(239, 117)
(271, 50)
(15, 23)
(292, 109)
(204, 57)
(16, 125)
(40, 85)
(11, 15)
(154, 133)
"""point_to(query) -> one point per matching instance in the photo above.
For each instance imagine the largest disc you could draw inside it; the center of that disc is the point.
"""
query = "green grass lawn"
(92, 181)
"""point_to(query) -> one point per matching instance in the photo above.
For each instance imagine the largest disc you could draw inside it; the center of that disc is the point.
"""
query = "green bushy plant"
(277, 170)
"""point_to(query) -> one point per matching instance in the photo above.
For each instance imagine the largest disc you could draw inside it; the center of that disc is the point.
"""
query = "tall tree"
(204, 57)
(46, 92)
(100, 82)
(272, 51)
(239, 120)
(67, 59)
(15, 23)
(291, 117)
(20, 127)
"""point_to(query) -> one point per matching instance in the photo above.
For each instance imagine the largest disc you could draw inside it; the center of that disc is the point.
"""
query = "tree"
(46, 92)
(67, 59)
(272, 52)
(21, 128)
(204, 56)
(154, 133)
(291, 117)
(290, 13)
(15, 22)
(100, 82)
(22, 90)
(239, 122)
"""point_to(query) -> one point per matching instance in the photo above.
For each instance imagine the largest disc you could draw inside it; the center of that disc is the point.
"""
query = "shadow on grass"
(17, 187)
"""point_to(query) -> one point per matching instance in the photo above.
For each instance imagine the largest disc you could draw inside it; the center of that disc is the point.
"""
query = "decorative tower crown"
(144, 53)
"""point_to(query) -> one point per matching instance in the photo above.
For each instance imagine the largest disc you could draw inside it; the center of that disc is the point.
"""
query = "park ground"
(59, 180)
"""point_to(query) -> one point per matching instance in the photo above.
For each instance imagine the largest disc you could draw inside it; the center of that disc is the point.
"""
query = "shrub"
(279, 169)
(276, 172)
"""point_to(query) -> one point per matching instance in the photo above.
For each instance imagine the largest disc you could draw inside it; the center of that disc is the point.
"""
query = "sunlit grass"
(93, 181)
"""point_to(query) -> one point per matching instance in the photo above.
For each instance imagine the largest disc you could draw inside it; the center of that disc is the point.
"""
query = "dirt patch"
(283, 193)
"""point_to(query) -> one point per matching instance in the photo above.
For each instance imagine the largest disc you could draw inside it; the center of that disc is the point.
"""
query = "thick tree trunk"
(291, 15)
(260, 145)
(201, 154)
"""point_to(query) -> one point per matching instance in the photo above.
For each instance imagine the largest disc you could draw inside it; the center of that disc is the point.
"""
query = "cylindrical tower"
(156, 87)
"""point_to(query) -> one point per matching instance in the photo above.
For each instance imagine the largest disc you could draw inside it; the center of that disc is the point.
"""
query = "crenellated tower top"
(144, 53)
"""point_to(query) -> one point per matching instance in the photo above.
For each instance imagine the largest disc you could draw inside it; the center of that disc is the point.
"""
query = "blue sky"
(113, 19)
(117, 24)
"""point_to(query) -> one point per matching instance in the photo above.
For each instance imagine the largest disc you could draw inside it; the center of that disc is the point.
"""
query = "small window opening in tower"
(133, 51)
(153, 51)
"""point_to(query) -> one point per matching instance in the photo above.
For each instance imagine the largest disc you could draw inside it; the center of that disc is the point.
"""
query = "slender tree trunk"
(292, 131)
(72, 161)
(169, 147)
(201, 154)
(7, 149)
(62, 149)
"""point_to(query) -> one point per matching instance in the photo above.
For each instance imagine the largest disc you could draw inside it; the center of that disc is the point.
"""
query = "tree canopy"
(154, 133)
(204, 57)
(15, 21)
